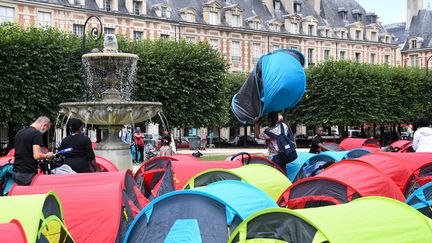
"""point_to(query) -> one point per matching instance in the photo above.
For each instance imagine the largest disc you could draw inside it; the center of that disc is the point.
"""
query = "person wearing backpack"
(279, 139)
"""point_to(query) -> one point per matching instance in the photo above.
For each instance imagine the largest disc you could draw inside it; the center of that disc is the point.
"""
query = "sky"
(388, 11)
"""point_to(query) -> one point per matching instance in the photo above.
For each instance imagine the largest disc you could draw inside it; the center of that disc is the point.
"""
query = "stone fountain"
(110, 80)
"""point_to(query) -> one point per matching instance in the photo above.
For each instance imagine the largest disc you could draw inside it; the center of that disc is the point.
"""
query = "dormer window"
(327, 33)
(357, 17)
(187, 14)
(374, 36)
(358, 34)
(343, 13)
(310, 29)
(212, 12)
(277, 4)
(256, 25)
(343, 34)
(107, 5)
(297, 7)
(413, 44)
(137, 7)
(164, 11)
(235, 21)
(372, 18)
(213, 18)
(189, 17)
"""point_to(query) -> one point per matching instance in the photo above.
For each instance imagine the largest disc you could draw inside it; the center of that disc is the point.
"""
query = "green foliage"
(189, 80)
(40, 68)
(351, 93)
(234, 82)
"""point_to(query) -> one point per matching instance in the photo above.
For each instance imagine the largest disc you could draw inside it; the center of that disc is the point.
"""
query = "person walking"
(422, 141)
(28, 150)
(317, 145)
(203, 138)
(139, 145)
(82, 158)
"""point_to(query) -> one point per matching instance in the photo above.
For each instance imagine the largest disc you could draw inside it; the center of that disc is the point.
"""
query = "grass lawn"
(213, 157)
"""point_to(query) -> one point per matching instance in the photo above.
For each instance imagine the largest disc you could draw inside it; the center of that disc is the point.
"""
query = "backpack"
(285, 142)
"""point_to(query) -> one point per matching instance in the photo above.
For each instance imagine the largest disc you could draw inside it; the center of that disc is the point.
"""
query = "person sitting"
(165, 149)
(422, 141)
(82, 158)
(317, 145)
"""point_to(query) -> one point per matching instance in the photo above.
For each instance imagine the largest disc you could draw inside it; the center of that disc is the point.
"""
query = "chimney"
(288, 5)
(316, 5)
(413, 7)
(269, 5)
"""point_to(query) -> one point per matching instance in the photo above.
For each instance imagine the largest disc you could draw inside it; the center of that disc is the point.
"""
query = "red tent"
(340, 183)
(105, 165)
(161, 175)
(93, 213)
(12, 232)
(352, 143)
(402, 146)
(135, 198)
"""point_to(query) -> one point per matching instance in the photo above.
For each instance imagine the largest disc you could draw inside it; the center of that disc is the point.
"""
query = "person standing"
(272, 143)
(82, 158)
(28, 150)
(317, 145)
(139, 145)
(203, 138)
(165, 149)
(422, 141)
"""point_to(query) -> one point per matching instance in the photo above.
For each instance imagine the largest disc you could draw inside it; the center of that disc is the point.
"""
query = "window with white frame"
(326, 54)
(372, 58)
(358, 34)
(164, 10)
(164, 36)
(256, 25)
(414, 60)
(297, 7)
(137, 7)
(7, 14)
(213, 18)
(413, 44)
(327, 33)
(344, 15)
(44, 18)
(311, 29)
(275, 27)
(78, 29)
(189, 17)
(343, 34)
(386, 59)
(235, 51)
(107, 5)
(214, 43)
(190, 39)
(294, 28)
(137, 35)
(256, 52)
(310, 56)
(374, 36)
(235, 21)
(108, 30)
(77, 2)
(277, 4)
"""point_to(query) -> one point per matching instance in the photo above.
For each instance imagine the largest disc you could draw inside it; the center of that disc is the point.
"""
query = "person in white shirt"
(422, 141)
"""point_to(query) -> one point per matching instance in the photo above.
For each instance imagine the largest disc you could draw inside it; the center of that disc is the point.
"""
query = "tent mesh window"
(208, 178)
(51, 207)
(357, 154)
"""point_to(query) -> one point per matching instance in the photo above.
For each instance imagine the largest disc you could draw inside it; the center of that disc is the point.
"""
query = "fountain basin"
(112, 112)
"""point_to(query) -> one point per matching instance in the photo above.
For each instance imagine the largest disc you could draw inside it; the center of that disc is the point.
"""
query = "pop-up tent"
(408, 170)
(348, 154)
(132, 194)
(401, 146)
(41, 217)
(6, 159)
(105, 165)
(305, 159)
(266, 178)
(93, 213)
(247, 159)
(12, 232)
(353, 143)
(161, 175)
(208, 214)
(277, 82)
(421, 200)
(340, 183)
(370, 219)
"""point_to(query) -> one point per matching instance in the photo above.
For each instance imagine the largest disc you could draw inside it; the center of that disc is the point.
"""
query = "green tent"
(265, 178)
(41, 216)
(368, 219)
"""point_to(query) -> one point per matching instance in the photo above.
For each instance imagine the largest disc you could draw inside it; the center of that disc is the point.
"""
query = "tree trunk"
(245, 136)
(362, 131)
(382, 135)
(374, 130)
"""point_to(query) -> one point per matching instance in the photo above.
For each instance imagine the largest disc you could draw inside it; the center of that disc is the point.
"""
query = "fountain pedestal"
(113, 148)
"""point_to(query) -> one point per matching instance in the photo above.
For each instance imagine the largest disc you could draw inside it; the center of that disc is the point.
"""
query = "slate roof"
(420, 27)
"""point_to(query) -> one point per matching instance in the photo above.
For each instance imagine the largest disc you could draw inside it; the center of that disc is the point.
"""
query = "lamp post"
(94, 33)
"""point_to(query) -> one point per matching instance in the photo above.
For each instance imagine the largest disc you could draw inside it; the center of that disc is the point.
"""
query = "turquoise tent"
(303, 160)
(349, 154)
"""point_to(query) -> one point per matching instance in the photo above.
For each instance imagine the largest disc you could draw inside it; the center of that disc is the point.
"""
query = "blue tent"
(304, 160)
(421, 199)
(349, 154)
(207, 214)
(277, 82)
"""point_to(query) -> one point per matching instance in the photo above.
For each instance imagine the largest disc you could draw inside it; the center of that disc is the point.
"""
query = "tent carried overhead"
(340, 183)
(353, 143)
(421, 200)
(408, 170)
(266, 178)
(205, 215)
(277, 82)
(12, 232)
(370, 219)
(132, 194)
(93, 213)
(161, 175)
(41, 217)
(303, 160)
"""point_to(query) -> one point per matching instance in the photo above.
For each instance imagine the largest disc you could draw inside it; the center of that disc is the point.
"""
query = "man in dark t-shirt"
(82, 157)
(28, 143)
(317, 145)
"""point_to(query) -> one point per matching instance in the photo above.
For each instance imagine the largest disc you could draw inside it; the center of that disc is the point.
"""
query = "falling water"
(53, 145)
(69, 116)
(85, 122)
